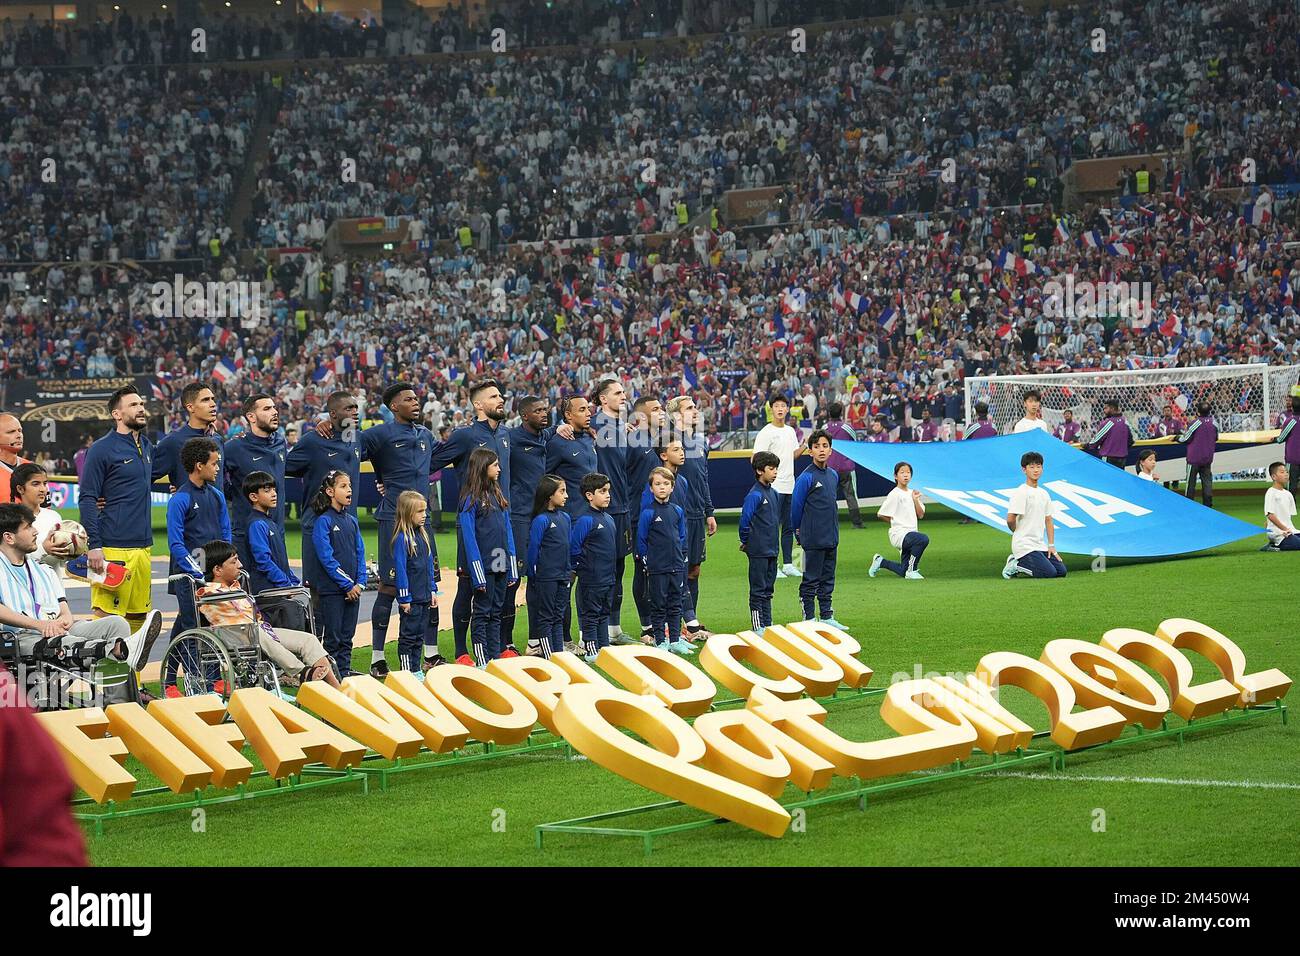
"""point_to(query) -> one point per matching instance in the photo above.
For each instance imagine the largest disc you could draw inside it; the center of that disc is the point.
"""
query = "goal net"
(1242, 398)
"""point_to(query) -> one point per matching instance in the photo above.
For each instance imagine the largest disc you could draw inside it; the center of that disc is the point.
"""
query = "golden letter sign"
(734, 764)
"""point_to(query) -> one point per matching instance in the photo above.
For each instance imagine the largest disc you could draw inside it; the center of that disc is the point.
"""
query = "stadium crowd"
(863, 214)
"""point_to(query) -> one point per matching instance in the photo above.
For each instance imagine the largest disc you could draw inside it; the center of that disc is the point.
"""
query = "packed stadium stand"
(570, 207)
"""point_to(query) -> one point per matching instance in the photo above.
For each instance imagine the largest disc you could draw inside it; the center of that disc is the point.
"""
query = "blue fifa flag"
(1096, 505)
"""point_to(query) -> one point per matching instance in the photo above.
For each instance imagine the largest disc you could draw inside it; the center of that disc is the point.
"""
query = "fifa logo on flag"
(1087, 300)
(246, 301)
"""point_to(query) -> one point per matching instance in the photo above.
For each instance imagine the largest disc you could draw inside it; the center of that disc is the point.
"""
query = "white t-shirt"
(1033, 505)
(898, 507)
(46, 521)
(1145, 477)
(782, 442)
(1279, 502)
(1029, 424)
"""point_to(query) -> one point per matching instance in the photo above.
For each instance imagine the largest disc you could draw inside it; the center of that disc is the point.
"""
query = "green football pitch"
(1225, 796)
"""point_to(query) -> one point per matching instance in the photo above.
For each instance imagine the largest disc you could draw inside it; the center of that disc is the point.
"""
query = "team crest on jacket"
(420, 444)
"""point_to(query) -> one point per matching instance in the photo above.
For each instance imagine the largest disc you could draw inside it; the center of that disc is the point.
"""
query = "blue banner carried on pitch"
(1098, 507)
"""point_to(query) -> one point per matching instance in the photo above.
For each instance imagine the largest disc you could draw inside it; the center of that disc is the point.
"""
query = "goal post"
(1242, 398)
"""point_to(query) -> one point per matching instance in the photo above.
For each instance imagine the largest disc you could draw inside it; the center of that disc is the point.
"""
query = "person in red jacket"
(36, 825)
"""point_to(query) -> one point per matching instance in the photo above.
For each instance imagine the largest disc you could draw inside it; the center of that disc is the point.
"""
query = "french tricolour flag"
(889, 319)
(1255, 214)
(1092, 239)
(1285, 288)
(224, 371)
(1062, 234)
(1010, 262)
(540, 333)
(1125, 250)
(858, 303)
(371, 357)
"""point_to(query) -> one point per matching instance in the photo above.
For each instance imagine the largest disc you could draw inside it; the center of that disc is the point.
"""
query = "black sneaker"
(437, 660)
(379, 669)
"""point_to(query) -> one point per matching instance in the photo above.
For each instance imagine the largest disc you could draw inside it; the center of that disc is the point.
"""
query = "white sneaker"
(1009, 569)
(779, 573)
(144, 637)
(792, 572)
(914, 576)
(876, 562)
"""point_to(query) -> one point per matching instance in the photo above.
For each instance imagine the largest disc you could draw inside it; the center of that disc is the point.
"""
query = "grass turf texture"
(945, 624)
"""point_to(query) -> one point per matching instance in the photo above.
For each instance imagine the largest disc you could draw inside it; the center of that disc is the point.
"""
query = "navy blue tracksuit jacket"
(814, 509)
(593, 548)
(195, 516)
(245, 454)
(167, 455)
(548, 547)
(760, 521)
(661, 538)
(270, 567)
(572, 459)
(119, 469)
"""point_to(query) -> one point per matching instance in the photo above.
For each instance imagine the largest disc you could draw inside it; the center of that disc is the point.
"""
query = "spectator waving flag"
(1255, 214)
(794, 300)
(889, 319)
(371, 357)
(1062, 233)
(859, 303)
(1284, 287)
(690, 381)
(323, 375)
(1172, 325)
(1092, 239)
(224, 371)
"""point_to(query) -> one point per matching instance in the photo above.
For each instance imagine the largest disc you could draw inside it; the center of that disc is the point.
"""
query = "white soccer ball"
(68, 532)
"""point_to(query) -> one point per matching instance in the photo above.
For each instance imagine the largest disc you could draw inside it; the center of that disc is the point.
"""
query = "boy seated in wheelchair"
(298, 654)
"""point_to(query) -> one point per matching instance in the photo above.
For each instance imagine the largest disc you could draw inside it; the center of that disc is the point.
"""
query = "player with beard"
(119, 473)
(611, 461)
(259, 447)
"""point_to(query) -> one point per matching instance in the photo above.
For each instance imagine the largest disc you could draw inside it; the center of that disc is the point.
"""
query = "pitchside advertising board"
(1097, 508)
(733, 763)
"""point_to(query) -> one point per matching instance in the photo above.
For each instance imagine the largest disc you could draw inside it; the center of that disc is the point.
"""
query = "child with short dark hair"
(270, 559)
(902, 508)
(1033, 536)
(1279, 508)
(814, 512)
(661, 549)
(592, 550)
(196, 514)
(548, 563)
(298, 654)
(760, 524)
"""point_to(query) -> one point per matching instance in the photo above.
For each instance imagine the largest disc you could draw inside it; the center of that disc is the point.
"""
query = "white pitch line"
(1235, 784)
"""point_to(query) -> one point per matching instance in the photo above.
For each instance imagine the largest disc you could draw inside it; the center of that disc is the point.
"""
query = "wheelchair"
(221, 659)
(63, 673)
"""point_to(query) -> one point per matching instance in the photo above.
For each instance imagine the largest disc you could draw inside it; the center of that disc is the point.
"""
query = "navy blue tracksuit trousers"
(593, 615)
(547, 601)
(818, 581)
(664, 595)
(339, 623)
(762, 581)
(485, 618)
